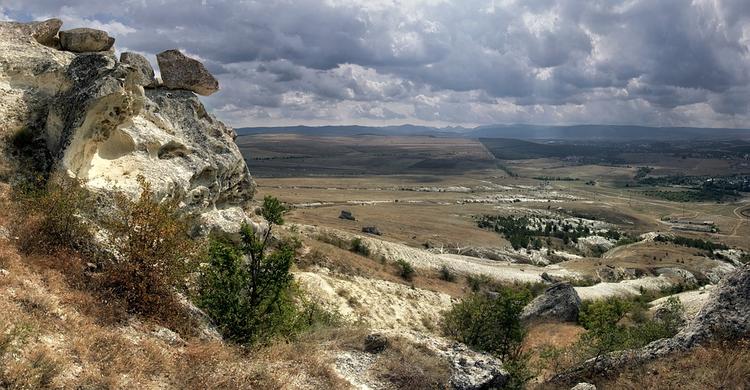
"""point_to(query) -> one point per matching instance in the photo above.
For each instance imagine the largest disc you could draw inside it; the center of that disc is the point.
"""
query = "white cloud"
(666, 62)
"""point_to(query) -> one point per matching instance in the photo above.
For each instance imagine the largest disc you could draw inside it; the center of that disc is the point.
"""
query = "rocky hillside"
(359, 312)
(106, 121)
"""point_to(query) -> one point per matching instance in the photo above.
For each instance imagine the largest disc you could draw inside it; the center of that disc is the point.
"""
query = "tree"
(489, 323)
(247, 289)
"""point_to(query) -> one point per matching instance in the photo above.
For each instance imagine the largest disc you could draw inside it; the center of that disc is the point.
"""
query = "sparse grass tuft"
(412, 367)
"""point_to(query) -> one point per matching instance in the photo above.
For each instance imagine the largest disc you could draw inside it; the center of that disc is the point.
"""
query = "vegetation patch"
(692, 243)
(491, 323)
(248, 289)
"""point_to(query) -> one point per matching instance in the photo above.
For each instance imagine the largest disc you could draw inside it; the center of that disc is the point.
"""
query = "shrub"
(153, 250)
(492, 324)
(405, 269)
(358, 246)
(249, 290)
(446, 274)
(488, 323)
(50, 215)
(477, 282)
(607, 333)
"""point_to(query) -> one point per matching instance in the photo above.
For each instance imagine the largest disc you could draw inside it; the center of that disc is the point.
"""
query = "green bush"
(492, 323)
(358, 246)
(248, 289)
(607, 332)
(477, 282)
(488, 323)
(405, 269)
(447, 274)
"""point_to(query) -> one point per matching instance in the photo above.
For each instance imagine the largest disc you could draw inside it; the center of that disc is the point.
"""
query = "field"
(426, 194)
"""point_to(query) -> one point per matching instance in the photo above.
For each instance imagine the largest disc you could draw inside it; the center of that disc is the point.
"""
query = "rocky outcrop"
(474, 371)
(140, 63)
(559, 302)
(100, 126)
(44, 32)
(82, 40)
(181, 72)
(726, 316)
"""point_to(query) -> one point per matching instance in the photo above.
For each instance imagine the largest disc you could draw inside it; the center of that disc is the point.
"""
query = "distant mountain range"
(526, 132)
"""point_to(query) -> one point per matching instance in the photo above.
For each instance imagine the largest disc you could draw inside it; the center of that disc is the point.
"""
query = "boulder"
(145, 75)
(583, 386)
(45, 32)
(472, 370)
(181, 72)
(371, 230)
(347, 215)
(375, 343)
(82, 40)
(559, 302)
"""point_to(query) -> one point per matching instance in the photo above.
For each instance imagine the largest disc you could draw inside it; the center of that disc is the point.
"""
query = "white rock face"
(101, 127)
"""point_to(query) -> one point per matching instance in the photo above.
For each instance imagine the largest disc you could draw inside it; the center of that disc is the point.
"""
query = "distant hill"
(524, 132)
(339, 131)
(606, 133)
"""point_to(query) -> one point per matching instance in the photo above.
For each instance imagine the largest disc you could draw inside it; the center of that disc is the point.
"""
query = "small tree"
(490, 323)
(248, 291)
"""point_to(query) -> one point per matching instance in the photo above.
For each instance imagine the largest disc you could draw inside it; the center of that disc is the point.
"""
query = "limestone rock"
(82, 40)
(678, 274)
(583, 386)
(97, 124)
(559, 302)
(371, 230)
(140, 63)
(45, 32)
(474, 371)
(347, 215)
(181, 72)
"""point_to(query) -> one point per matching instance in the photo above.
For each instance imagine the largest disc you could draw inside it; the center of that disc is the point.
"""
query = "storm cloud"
(445, 62)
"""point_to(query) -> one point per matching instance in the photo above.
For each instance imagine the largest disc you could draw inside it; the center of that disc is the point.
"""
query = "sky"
(444, 63)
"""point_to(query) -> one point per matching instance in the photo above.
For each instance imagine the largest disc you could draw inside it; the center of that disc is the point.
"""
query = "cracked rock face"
(102, 127)
(181, 72)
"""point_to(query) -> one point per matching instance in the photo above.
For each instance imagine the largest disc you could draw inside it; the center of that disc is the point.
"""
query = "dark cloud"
(663, 62)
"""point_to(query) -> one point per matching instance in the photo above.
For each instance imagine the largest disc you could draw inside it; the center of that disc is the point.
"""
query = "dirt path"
(739, 212)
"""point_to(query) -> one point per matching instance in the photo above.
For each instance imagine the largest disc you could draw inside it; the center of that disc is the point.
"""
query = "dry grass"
(718, 366)
(55, 335)
(411, 366)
